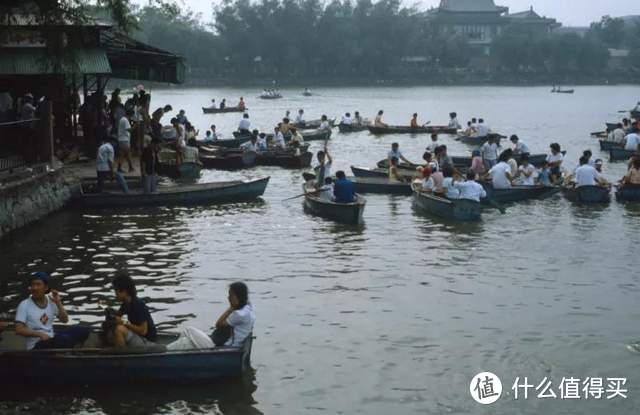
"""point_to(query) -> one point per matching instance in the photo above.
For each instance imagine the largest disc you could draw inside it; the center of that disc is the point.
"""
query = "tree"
(611, 31)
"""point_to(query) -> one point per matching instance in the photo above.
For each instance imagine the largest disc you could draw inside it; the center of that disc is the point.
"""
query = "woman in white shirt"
(278, 138)
(526, 172)
(240, 316)
(554, 161)
(449, 184)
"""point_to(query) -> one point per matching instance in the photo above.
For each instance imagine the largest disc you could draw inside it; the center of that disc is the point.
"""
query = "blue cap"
(42, 276)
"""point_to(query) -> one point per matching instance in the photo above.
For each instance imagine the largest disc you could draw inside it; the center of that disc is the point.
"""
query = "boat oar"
(495, 204)
(304, 194)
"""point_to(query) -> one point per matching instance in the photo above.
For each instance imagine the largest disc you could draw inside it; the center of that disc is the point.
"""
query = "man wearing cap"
(36, 314)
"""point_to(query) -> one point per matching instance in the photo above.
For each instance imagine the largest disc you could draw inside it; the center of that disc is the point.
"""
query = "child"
(544, 177)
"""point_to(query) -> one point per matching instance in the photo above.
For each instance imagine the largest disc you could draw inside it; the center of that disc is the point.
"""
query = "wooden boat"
(620, 154)
(465, 162)
(608, 145)
(211, 110)
(195, 194)
(347, 213)
(229, 161)
(563, 91)
(381, 185)
(454, 209)
(379, 172)
(285, 159)
(478, 141)
(235, 142)
(270, 96)
(628, 193)
(440, 129)
(587, 194)
(317, 135)
(94, 363)
(611, 126)
(307, 94)
(186, 170)
(313, 124)
(517, 193)
(351, 128)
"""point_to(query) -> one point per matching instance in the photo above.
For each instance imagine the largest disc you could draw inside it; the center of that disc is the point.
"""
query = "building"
(480, 22)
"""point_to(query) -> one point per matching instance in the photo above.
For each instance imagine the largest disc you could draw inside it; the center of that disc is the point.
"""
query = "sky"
(567, 12)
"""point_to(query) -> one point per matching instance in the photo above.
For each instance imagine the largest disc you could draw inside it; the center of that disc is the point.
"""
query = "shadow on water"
(225, 396)
(631, 209)
(430, 223)
(593, 211)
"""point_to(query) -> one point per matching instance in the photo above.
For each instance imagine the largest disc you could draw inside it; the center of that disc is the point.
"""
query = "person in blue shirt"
(544, 177)
(343, 189)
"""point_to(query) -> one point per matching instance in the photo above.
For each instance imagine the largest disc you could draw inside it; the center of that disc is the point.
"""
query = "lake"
(395, 316)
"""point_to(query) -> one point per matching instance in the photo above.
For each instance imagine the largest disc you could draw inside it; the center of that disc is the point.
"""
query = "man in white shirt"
(483, 129)
(518, 146)
(431, 148)
(631, 142)
(617, 135)
(245, 125)
(489, 153)
(587, 175)
(124, 141)
(104, 163)
(250, 146)
(471, 189)
(501, 175)
(35, 317)
(324, 123)
(300, 118)
(346, 119)
(278, 138)
(324, 167)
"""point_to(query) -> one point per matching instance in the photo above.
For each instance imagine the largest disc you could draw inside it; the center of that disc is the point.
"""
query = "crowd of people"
(36, 315)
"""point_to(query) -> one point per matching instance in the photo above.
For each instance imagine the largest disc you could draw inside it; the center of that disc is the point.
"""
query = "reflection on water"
(226, 396)
(392, 317)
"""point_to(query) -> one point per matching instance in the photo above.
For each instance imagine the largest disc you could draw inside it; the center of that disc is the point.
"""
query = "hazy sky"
(568, 12)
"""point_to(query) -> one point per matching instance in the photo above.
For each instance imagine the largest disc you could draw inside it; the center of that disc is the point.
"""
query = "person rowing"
(244, 125)
(357, 119)
(251, 146)
(346, 119)
(414, 121)
(324, 124)
(632, 177)
(587, 175)
(396, 153)
(241, 104)
(378, 120)
(344, 190)
(223, 103)
(554, 161)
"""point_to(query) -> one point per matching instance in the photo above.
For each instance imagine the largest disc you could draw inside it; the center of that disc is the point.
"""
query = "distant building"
(480, 22)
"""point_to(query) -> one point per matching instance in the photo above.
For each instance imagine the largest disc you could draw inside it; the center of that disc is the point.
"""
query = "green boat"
(463, 210)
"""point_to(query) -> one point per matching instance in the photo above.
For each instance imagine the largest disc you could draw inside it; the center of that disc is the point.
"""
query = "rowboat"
(351, 128)
(608, 145)
(534, 159)
(285, 159)
(94, 363)
(587, 194)
(235, 142)
(222, 110)
(620, 154)
(313, 124)
(365, 172)
(347, 213)
(517, 193)
(195, 194)
(454, 209)
(635, 114)
(478, 141)
(628, 193)
(307, 94)
(611, 126)
(318, 135)
(270, 96)
(229, 161)
(563, 91)
(380, 185)
(441, 129)
(186, 170)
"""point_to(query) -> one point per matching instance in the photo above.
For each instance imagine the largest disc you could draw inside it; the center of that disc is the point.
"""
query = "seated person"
(140, 330)
(326, 191)
(36, 314)
(471, 189)
(633, 175)
(393, 171)
(427, 182)
(449, 184)
(343, 189)
(239, 317)
(544, 176)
